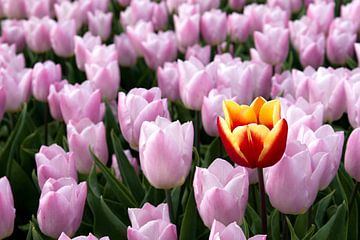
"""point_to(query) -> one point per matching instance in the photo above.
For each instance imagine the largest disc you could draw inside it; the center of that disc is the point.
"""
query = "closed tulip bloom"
(237, 4)
(63, 236)
(166, 152)
(14, 8)
(195, 82)
(168, 81)
(100, 24)
(141, 10)
(322, 13)
(43, 75)
(357, 50)
(350, 12)
(289, 6)
(37, 33)
(238, 27)
(94, 5)
(66, 11)
(83, 47)
(312, 51)
(139, 33)
(7, 209)
(127, 55)
(106, 79)
(261, 122)
(88, 102)
(212, 108)
(272, 44)
(137, 106)
(256, 13)
(352, 159)
(133, 161)
(83, 135)
(159, 48)
(292, 184)
(151, 222)
(206, 5)
(276, 17)
(61, 206)
(201, 53)
(54, 99)
(221, 192)
(2, 102)
(230, 232)
(62, 38)
(160, 16)
(53, 162)
(38, 8)
(12, 32)
(213, 27)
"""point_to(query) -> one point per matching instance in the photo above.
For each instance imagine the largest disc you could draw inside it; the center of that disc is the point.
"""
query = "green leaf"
(301, 224)
(322, 206)
(122, 193)
(253, 219)
(291, 229)
(128, 174)
(336, 227)
(214, 151)
(275, 224)
(189, 222)
(310, 232)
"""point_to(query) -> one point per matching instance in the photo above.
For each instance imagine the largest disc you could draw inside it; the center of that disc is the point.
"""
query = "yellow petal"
(238, 115)
(257, 104)
(270, 113)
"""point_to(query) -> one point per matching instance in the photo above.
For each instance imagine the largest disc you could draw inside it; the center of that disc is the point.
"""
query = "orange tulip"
(253, 136)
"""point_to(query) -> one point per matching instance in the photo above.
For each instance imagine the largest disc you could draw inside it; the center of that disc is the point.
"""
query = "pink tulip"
(173, 5)
(353, 99)
(261, 74)
(212, 108)
(350, 12)
(63, 202)
(101, 55)
(14, 8)
(237, 4)
(206, 5)
(127, 55)
(289, 6)
(137, 106)
(38, 8)
(93, 6)
(88, 102)
(322, 13)
(276, 17)
(230, 232)
(213, 27)
(352, 163)
(166, 152)
(43, 75)
(159, 48)
(357, 50)
(106, 79)
(67, 11)
(83, 47)
(7, 209)
(312, 51)
(124, 3)
(194, 83)
(83, 136)
(238, 27)
(54, 162)
(255, 14)
(201, 53)
(168, 81)
(141, 10)
(133, 161)
(2, 102)
(37, 33)
(12, 32)
(54, 99)
(63, 236)
(100, 24)
(62, 38)
(151, 222)
(221, 192)
(139, 33)
(160, 16)
(272, 44)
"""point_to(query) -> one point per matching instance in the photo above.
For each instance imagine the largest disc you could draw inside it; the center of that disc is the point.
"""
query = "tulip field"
(180, 119)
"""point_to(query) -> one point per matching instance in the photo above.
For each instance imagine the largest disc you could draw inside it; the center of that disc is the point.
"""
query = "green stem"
(263, 202)
(170, 205)
(197, 129)
(353, 195)
(309, 222)
(285, 231)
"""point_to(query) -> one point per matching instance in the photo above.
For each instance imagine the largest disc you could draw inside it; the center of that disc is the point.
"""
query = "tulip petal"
(238, 115)
(257, 104)
(270, 113)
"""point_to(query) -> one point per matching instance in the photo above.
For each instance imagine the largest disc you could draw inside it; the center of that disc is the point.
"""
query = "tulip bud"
(37, 33)
(62, 38)
(255, 14)
(159, 16)
(66, 11)
(236, 4)
(14, 8)
(171, 155)
(54, 162)
(206, 5)
(63, 236)
(151, 222)
(38, 8)
(83, 48)
(12, 32)
(125, 49)
(213, 27)
(137, 106)
(357, 50)
(139, 33)
(168, 81)
(6, 208)
(322, 13)
(230, 232)
(63, 202)
(350, 12)
(221, 192)
(54, 101)
(238, 27)
(100, 24)
(43, 75)
(352, 163)
(84, 136)
(201, 53)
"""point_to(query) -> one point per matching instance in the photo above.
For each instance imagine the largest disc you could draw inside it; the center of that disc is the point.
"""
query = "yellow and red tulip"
(253, 136)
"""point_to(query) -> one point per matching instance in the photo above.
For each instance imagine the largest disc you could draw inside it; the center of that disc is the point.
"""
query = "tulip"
(106, 79)
(288, 6)
(159, 16)
(54, 101)
(100, 24)
(94, 6)
(133, 161)
(357, 50)
(138, 106)
(54, 162)
(276, 17)
(261, 74)
(43, 75)
(259, 122)
(83, 48)
(195, 82)
(63, 236)
(141, 10)
(151, 222)
(14, 8)
(2, 102)
(127, 55)
(168, 81)
(62, 38)
(322, 13)
(12, 32)
(213, 27)
(201, 53)
(6, 208)
(83, 136)
(37, 33)
(352, 163)
(350, 12)
(312, 51)
(38, 8)
(88, 103)
(206, 5)
(63, 202)
(236, 4)
(230, 232)
(66, 11)
(123, 3)
(238, 27)
(212, 108)
(171, 155)
(255, 14)
(139, 33)
(269, 52)
(221, 192)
